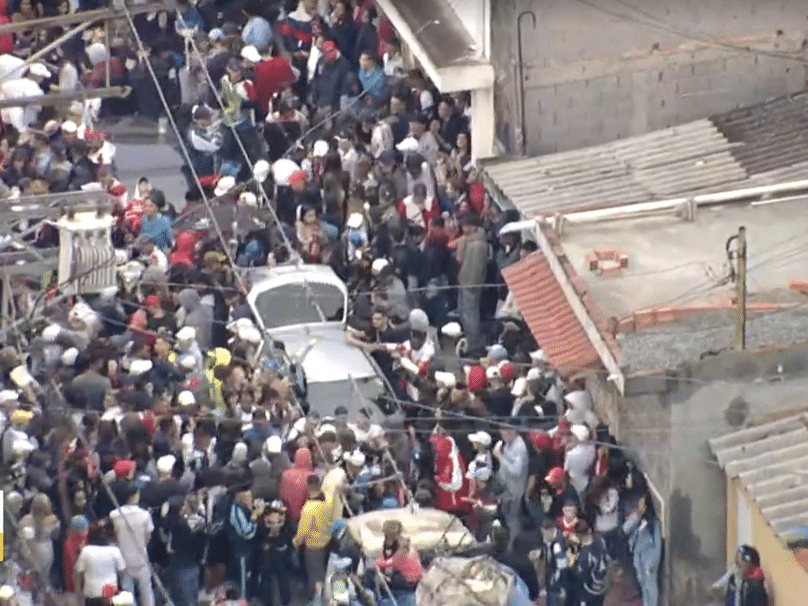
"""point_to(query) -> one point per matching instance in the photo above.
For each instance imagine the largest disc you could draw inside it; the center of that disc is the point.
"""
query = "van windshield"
(292, 304)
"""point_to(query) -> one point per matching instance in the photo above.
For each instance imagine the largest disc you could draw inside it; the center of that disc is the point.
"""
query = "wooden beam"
(61, 97)
(101, 14)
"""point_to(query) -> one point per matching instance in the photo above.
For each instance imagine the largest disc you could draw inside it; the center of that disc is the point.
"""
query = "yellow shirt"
(314, 530)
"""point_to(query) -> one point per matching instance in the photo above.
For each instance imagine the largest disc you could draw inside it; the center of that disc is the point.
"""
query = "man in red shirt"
(269, 73)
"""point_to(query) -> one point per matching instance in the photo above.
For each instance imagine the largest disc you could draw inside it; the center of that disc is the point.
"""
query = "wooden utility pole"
(740, 290)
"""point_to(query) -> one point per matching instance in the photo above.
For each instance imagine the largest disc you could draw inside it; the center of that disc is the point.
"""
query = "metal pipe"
(109, 53)
(520, 80)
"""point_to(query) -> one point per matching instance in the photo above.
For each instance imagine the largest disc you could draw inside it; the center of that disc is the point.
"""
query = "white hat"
(186, 334)
(140, 366)
(51, 332)
(273, 445)
(445, 379)
(452, 330)
(534, 374)
(419, 321)
(579, 400)
(248, 199)
(186, 398)
(321, 148)
(282, 169)
(538, 356)
(379, 265)
(22, 447)
(69, 127)
(69, 356)
(519, 387)
(492, 372)
(224, 185)
(251, 54)
(261, 170)
(581, 432)
(124, 598)
(245, 330)
(165, 464)
(40, 70)
(480, 437)
(6, 592)
(8, 395)
(410, 144)
(324, 429)
(356, 458)
(186, 362)
(355, 221)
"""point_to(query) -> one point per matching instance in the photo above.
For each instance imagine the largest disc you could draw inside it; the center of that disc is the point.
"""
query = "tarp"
(480, 581)
(427, 529)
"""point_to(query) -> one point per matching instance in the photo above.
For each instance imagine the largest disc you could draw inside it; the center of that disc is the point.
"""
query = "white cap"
(273, 445)
(8, 395)
(40, 70)
(445, 379)
(224, 185)
(22, 447)
(140, 366)
(579, 400)
(6, 592)
(379, 265)
(248, 199)
(245, 329)
(68, 126)
(324, 429)
(124, 598)
(69, 356)
(165, 464)
(492, 372)
(452, 330)
(534, 374)
(186, 334)
(356, 458)
(51, 332)
(251, 54)
(581, 432)
(419, 320)
(282, 169)
(480, 437)
(538, 356)
(355, 221)
(321, 148)
(186, 398)
(261, 170)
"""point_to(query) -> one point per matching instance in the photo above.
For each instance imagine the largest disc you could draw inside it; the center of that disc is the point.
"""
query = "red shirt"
(268, 77)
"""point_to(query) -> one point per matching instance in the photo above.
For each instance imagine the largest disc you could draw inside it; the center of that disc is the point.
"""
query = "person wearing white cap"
(251, 55)
(133, 529)
(224, 186)
(482, 464)
(23, 88)
(579, 459)
(416, 353)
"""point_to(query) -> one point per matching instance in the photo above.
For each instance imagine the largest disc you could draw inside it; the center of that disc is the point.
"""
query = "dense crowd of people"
(154, 449)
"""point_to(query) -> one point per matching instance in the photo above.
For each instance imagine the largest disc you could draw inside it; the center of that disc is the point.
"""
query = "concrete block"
(643, 385)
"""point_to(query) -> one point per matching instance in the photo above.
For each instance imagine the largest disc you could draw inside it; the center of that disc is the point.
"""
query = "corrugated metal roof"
(659, 165)
(769, 135)
(771, 461)
(549, 315)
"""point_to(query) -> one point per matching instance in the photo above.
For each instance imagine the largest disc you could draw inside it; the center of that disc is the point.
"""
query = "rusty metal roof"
(770, 135)
(771, 461)
(550, 317)
(659, 165)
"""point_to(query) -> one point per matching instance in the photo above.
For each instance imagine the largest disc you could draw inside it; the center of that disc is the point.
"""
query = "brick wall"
(591, 78)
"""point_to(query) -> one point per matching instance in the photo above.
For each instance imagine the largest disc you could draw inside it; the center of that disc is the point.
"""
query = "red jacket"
(407, 564)
(451, 484)
(268, 76)
(292, 488)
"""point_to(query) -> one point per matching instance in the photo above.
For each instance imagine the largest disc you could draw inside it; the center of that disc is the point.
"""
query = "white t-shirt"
(21, 88)
(133, 527)
(100, 565)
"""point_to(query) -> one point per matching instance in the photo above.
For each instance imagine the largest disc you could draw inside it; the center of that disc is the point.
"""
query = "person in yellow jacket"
(314, 534)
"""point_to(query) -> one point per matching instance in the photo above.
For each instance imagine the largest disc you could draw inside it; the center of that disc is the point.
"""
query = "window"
(300, 304)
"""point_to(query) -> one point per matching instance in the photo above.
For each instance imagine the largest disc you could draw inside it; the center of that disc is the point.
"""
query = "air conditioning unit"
(87, 262)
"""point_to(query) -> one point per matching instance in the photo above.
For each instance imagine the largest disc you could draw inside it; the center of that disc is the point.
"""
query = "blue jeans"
(184, 584)
(468, 308)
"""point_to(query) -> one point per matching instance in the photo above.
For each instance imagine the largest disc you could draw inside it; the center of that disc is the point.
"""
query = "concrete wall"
(667, 421)
(592, 75)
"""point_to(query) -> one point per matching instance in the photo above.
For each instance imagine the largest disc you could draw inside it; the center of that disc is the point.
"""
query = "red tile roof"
(549, 315)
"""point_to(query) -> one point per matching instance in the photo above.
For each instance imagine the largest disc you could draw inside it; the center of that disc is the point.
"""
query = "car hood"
(331, 358)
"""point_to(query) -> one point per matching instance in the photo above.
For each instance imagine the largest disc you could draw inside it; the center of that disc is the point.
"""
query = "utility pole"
(740, 290)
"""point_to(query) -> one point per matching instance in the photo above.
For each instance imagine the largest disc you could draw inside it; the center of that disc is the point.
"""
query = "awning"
(441, 43)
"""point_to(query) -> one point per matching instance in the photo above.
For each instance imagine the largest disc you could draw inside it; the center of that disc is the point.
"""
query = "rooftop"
(770, 461)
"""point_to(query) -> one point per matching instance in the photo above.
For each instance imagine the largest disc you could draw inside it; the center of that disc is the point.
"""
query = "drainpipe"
(520, 78)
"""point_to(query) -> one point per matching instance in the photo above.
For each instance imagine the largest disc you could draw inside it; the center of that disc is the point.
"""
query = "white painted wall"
(476, 16)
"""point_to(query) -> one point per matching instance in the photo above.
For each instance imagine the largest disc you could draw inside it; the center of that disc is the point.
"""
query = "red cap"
(193, 383)
(475, 379)
(94, 136)
(123, 468)
(299, 176)
(117, 190)
(554, 476)
(109, 591)
(541, 440)
(151, 301)
(505, 371)
(208, 181)
(329, 50)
